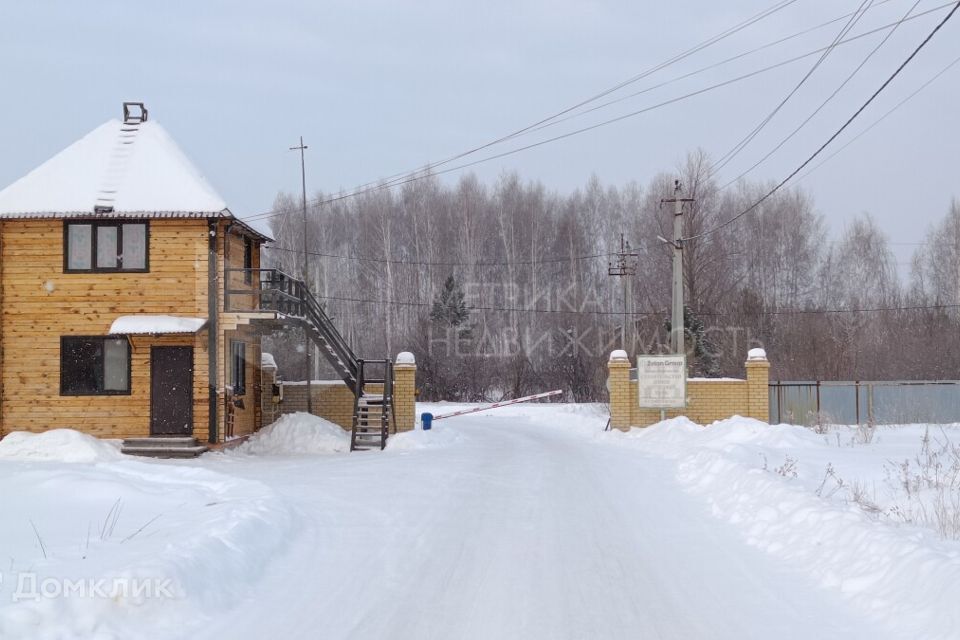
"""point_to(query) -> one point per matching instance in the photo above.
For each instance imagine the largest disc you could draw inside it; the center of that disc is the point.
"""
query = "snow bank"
(677, 436)
(130, 549)
(297, 433)
(58, 445)
(748, 472)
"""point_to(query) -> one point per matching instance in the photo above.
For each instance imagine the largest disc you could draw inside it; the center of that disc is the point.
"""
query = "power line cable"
(416, 177)
(624, 83)
(878, 121)
(746, 140)
(402, 303)
(849, 77)
(846, 124)
(420, 263)
(781, 312)
(484, 263)
(768, 312)
(738, 56)
(557, 118)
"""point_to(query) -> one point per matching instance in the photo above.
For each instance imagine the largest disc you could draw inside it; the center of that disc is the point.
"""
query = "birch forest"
(504, 289)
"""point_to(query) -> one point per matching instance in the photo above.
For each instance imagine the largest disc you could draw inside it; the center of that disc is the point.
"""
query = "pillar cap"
(756, 355)
(619, 355)
(405, 357)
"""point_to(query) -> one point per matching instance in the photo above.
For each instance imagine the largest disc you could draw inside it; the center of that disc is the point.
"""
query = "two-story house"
(132, 304)
(112, 262)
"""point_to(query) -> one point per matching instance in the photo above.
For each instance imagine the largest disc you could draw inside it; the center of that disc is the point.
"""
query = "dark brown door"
(171, 391)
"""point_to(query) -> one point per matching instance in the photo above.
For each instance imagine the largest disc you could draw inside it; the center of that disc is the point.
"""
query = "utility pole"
(676, 317)
(307, 347)
(625, 267)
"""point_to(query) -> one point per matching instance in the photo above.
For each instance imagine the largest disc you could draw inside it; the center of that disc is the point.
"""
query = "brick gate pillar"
(405, 391)
(758, 377)
(618, 385)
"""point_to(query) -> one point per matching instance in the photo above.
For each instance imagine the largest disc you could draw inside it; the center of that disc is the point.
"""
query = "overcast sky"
(377, 88)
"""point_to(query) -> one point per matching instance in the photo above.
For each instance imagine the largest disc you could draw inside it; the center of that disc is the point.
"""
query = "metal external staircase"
(372, 411)
(371, 381)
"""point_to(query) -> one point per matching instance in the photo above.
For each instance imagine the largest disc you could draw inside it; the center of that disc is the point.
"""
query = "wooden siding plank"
(40, 303)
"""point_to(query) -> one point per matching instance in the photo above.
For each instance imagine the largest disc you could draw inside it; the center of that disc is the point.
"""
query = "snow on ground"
(586, 418)
(62, 445)
(523, 522)
(296, 434)
(830, 505)
(526, 524)
(125, 548)
(435, 438)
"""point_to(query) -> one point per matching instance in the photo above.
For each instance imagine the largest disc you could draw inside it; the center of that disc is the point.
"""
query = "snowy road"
(516, 530)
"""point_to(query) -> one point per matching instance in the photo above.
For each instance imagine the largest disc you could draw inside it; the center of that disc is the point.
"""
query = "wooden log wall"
(248, 418)
(39, 303)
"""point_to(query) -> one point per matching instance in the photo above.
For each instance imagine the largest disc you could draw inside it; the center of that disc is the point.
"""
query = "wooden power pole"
(307, 347)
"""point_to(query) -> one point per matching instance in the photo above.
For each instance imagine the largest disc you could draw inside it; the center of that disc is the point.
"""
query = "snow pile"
(435, 438)
(405, 357)
(60, 445)
(670, 437)
(677, 436)
(130, 549)
(297, 433)
(752, 476)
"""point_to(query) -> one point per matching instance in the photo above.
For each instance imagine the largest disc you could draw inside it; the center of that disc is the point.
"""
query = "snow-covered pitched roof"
(155, 325)
(135, 168)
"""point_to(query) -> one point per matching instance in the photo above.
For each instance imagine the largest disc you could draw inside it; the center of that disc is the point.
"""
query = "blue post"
(426, 419)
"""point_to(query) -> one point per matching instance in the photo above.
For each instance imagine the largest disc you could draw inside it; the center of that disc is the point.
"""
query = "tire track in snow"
(519, 530)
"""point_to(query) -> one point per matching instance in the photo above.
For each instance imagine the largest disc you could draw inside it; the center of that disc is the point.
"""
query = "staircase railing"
(356, 406)
(386, 418)
(315, 314)
(274, 290)
(364, 403)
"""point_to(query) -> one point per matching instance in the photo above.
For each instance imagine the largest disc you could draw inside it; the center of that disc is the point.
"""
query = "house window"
(105, 245)
(247, 260)
(94, 365)
(238, 370)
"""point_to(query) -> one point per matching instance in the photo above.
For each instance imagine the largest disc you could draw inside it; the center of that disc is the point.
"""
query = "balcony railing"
(254, 290)
(276, 291)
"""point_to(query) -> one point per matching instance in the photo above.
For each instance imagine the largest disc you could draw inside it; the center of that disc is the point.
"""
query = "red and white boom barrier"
(497, 405)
